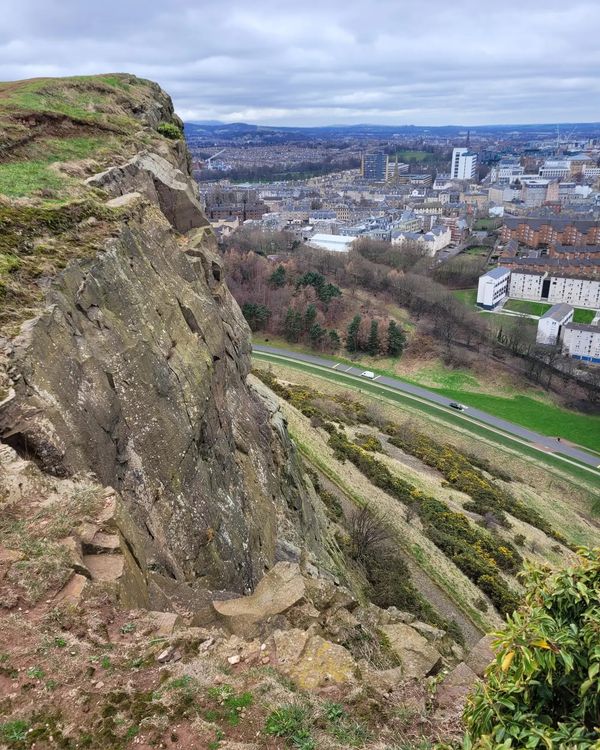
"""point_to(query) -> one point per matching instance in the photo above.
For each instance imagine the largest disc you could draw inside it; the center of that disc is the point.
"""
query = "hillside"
(175, 569)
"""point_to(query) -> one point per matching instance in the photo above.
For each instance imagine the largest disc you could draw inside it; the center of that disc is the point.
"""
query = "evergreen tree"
(292, 325)
(278, 277)
(373, 342)
(256, 315)
(315, 334)
(352, 335)
(334, 340)
(310, 316)
(396, 339)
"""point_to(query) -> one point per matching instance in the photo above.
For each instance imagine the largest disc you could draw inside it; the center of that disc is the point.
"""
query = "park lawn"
(409, 155)
(539, 308)
(499, 437)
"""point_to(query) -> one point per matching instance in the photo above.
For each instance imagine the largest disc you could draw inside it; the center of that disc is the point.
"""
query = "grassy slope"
(546, 496)
(524, 410)
(564, 498)
(54, 134)
(85, 117)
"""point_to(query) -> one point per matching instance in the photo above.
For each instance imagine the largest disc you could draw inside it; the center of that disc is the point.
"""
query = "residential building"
(464, 164)
(540, 286)
(492, 289)
(534, 231)
(582, 342)
(374, 166)
(395, 168)
(551, 323)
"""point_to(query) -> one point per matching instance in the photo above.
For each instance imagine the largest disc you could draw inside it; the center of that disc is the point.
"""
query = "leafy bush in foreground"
(543, 690)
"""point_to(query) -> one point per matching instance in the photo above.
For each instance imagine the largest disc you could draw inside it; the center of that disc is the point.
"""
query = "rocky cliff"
(124, 354)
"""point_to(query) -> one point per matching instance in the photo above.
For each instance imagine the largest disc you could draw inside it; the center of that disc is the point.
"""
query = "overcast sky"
(326, 61)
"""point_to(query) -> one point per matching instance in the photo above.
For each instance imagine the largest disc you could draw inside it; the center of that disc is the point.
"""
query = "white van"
(368, 374)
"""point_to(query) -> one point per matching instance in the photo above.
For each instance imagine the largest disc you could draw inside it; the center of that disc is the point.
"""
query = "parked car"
(368, 374)
(456, 405)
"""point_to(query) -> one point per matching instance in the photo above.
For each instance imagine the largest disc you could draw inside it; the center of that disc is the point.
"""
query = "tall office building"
(464, 164)
(374, 166)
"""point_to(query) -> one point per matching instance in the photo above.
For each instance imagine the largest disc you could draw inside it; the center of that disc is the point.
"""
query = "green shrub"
(170, 131)
(543, 690)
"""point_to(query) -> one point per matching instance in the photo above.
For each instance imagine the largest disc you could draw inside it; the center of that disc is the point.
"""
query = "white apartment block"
(582, 342)
(551, 323)
(541, 287)
(492, 289)
(464, 164)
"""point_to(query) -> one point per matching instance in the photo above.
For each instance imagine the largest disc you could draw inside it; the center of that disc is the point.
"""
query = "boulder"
(323, 663)
(428, 631)
(418, 657)
(281, 588)
(72, 591)
(289, 645)
(452, 692)
(481, 655)
(106, 568)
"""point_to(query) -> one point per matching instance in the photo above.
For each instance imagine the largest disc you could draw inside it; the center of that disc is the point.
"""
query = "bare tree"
(369, 530)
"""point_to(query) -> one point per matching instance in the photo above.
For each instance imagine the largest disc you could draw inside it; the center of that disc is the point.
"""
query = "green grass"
(411, 155)
(583, 316)
(526, 306)
(477, 250)
(68, 96)
(468, 296)
(481, 225)
(22, 178)
(491, 434)
(539, 308)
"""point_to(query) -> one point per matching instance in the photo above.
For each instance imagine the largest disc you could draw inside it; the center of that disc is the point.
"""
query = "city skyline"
(328, 62)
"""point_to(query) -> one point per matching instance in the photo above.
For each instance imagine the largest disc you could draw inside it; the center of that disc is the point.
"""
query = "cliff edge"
(123, 353)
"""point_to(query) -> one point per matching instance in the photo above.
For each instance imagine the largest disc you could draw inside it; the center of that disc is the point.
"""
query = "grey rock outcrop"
(417, 656)
(136, 371)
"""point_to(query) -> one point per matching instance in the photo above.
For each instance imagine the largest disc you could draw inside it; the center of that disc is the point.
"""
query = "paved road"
(550, 444)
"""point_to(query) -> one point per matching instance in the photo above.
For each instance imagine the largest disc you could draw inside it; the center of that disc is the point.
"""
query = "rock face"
(136, 370)
(418, 657)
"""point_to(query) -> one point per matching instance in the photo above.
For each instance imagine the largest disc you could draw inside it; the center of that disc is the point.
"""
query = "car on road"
(456, 405)
(368, 374)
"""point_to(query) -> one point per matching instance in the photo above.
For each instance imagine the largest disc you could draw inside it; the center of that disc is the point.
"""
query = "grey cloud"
(276, 61)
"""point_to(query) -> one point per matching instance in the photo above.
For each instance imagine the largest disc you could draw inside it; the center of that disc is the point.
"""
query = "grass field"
(468, 296)
(529, 412)
(410, 155)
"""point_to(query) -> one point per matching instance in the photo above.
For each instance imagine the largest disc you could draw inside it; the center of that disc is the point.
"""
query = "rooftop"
(558, 312)
(497, 273)
(583, 327)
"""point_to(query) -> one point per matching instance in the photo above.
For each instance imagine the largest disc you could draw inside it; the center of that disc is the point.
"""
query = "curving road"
(548, 444)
